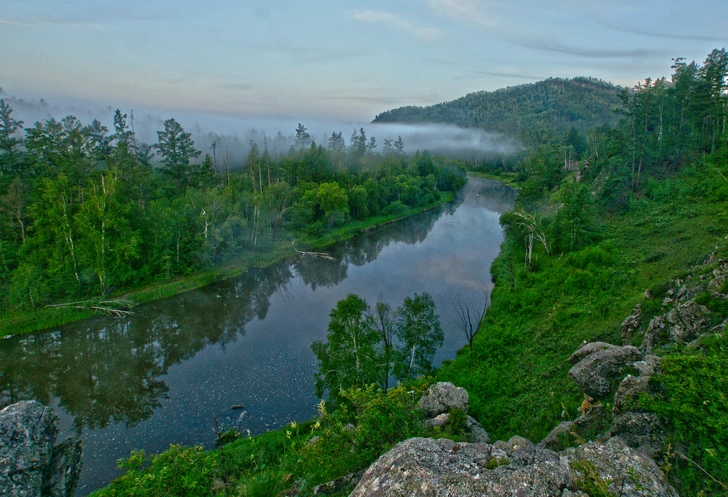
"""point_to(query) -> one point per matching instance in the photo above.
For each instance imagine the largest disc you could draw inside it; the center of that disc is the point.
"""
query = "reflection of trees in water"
(107, 370)
(490, 194)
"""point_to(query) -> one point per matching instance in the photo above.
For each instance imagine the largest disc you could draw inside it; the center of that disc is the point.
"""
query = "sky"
(346, 61)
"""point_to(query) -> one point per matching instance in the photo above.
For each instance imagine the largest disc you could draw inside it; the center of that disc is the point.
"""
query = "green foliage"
(179, 471)
(420, 334)
(348, 358)
(694, 398)
(85, 213)
(589, 480)
(361, 350)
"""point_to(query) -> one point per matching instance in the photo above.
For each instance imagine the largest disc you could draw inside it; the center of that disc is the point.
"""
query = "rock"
(28, 431)
(631, 472)
(569, 493)
(350, 428)
(598, 364)
(687, 321)
(640, 430)
(65, 469)
(628, 393)
(560, 437)
(442, 397)
(655, 333)
(479, 434)
(29, 464)
(339, 484)
(426, 467)
(648, 366)
(631, 324)
(594, 420)
(440, 420)
(314, 440)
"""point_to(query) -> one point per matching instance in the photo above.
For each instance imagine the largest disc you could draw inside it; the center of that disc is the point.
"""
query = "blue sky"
(341, 60)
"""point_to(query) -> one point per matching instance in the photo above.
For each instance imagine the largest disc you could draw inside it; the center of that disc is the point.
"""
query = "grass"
(17, 322)
(517, 375)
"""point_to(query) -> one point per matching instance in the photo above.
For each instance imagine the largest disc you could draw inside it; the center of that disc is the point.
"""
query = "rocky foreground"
(30, 464)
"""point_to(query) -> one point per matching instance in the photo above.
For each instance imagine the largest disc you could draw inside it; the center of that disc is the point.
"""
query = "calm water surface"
(159, 376)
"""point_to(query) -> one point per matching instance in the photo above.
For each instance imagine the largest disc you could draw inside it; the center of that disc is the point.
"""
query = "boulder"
(439, 420)
(29, 464)
(65, 469)
(27, 431)
(441, 398)
(479, 434)
(628, 393)
(597, 364)
(648, 366)
(427, 467)
(639, 430)
(631, 325)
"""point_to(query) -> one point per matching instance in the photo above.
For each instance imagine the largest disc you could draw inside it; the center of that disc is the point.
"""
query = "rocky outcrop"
(598, 364)
(442, 397)
(30, 465)
(427, 467)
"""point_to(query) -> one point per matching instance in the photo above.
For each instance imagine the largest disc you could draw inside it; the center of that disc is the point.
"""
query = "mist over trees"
(86, 211)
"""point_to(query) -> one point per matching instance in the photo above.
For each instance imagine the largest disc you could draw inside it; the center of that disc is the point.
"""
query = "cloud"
(41, 23)
(469, 11)
(669, 36)
(424, 32)
(237, 87)
(471, 73)
(558, 47)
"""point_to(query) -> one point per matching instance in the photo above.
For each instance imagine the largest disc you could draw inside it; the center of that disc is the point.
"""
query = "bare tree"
(466, 321)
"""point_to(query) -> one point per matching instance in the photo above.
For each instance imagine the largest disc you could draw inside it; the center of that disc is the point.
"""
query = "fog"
(232, 135)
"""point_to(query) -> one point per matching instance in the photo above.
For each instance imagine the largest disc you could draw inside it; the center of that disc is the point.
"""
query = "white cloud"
(424, 32)
(471, 11)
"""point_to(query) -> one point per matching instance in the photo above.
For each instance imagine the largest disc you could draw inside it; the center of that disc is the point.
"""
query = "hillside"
(534, 112)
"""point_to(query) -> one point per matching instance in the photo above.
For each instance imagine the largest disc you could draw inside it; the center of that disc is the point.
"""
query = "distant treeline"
(533, 113)
(84, 211)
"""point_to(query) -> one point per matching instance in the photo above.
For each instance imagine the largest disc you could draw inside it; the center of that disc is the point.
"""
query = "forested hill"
(534, 112)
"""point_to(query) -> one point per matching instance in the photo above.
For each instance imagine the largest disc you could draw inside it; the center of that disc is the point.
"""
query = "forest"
(532, 113)
(88, 212)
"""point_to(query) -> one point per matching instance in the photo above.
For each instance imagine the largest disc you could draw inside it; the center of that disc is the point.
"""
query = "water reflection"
(108, 370)
(157, 377)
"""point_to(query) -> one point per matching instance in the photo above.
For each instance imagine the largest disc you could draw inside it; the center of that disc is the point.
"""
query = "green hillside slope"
(534, 112)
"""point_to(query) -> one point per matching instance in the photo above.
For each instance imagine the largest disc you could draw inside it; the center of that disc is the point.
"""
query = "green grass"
(517, 375)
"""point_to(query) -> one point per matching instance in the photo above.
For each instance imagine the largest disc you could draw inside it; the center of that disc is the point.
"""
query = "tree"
(8, 142)
(333, 201)
(106, 243)
(336, 143)
(303, 139)
(399, 147)
(177, 149)
(349, 357)
(385, 324)
(465, 319)
(420, 335)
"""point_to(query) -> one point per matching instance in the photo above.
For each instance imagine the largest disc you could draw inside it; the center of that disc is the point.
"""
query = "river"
(158, 377)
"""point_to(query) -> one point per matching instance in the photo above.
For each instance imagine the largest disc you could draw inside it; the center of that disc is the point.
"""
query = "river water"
(158, 377)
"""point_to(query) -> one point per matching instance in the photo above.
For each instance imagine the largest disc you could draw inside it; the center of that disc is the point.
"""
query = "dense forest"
(88, 211)
(533, 113)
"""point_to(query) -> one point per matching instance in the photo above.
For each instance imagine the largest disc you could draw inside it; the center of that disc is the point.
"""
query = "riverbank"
(24, 321)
